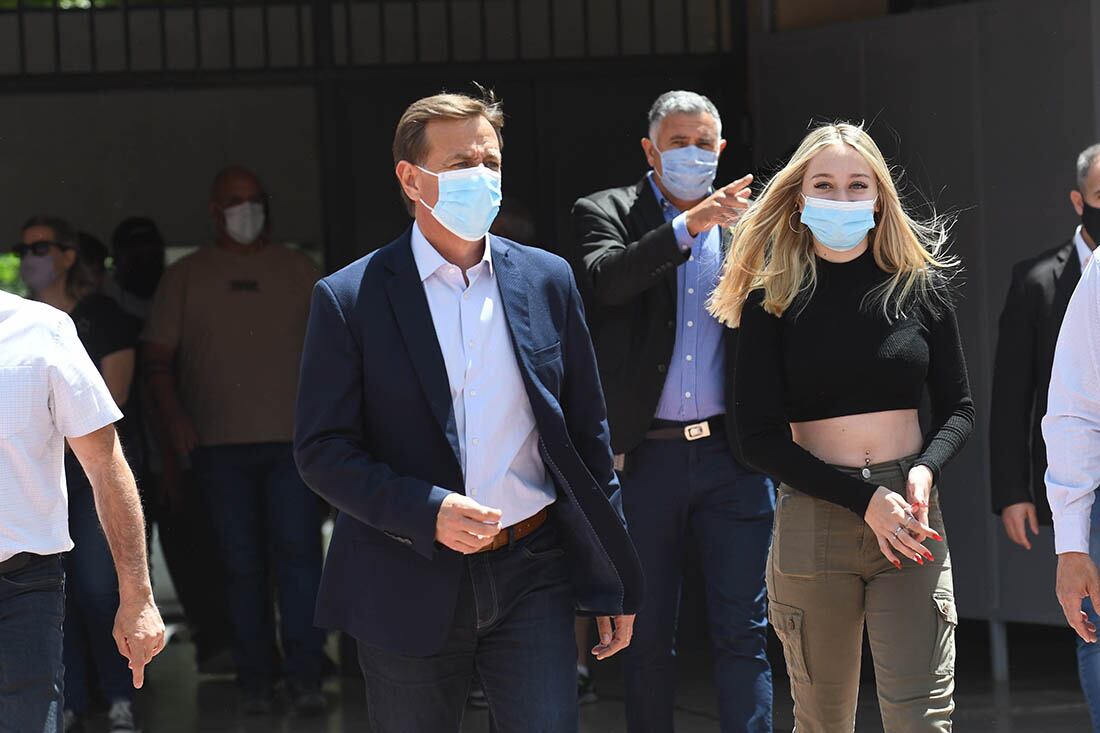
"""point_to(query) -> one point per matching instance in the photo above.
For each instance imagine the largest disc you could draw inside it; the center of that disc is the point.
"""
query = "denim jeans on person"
(267, 524)
(1088, 655)
(32, 610)
(671, 488)
(91, 603)
(514, 626)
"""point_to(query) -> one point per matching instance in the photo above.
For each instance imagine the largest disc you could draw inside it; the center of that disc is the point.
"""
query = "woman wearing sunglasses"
(65, 270)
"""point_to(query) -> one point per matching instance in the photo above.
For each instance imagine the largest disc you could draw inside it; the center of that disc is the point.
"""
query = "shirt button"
(661, 368)
(477, 442)
(687, 395)
(691, 291)
(470, 343)
(690, 324)
(473, 393)
(672, 324)
(688, 357)
(466, 296)
(691, 258)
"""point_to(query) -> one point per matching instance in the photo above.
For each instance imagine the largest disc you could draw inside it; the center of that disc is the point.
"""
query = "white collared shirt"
(1084, 254)
(497, 435)
(49, 391)
(1071, 427)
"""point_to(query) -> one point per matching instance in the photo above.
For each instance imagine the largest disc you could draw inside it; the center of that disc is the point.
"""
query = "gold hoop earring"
(791, 226)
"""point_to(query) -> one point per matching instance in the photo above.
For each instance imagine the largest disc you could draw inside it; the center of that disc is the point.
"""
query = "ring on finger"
(908, 519)
(899, 530)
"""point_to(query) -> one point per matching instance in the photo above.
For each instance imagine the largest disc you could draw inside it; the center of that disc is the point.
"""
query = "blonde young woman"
(845, 317)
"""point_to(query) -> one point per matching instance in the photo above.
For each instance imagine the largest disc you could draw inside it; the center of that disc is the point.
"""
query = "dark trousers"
(267, 523)
(32, 609)
(91, 602)
(513, 625)
(670, 487)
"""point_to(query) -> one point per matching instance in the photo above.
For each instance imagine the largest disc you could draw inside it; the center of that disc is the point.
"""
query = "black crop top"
(835, 353)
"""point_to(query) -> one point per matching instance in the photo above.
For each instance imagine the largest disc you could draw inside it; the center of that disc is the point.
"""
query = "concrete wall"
(985, 107)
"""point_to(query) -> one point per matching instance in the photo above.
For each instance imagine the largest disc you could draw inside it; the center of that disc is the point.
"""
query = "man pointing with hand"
(450, 409)
(650, 255)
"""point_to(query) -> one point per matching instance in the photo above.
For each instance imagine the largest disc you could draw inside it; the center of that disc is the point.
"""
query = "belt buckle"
(697, 431)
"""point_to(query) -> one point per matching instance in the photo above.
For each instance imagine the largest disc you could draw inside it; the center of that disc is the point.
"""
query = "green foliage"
(9, 275)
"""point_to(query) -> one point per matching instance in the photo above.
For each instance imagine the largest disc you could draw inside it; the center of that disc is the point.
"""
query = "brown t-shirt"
(237, 323)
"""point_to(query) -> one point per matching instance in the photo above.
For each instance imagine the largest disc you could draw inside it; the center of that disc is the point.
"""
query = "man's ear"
(652, 157)
(407, 179)
(1078, 201)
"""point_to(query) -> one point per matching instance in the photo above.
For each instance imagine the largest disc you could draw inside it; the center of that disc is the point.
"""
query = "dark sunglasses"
(38, 249)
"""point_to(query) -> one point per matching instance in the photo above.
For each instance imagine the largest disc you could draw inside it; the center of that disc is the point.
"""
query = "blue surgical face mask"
(469, 201)
(839, 225)
(688, 173)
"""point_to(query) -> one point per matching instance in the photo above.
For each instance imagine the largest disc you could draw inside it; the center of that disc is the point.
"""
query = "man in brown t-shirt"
(223, 344)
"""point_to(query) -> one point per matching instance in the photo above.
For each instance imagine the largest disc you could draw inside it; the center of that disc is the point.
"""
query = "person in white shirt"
(51, 394)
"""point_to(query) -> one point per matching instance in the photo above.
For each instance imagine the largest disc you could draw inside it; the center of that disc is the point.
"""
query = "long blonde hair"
(767, 252)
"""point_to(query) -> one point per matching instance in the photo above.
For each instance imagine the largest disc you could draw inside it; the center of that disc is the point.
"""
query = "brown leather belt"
(517, 531)
(688, 431)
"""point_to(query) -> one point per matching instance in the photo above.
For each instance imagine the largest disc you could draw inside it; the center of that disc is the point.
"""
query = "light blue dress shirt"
(497, 435)
(695, 384)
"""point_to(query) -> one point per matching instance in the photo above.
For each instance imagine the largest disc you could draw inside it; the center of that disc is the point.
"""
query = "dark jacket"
(1032, 316)
(375, 436)
(627, 258)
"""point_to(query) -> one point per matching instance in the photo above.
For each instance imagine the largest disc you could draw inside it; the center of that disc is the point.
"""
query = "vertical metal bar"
(416, 29)
(653, 26)
(382, 50)
(450, 21)
(196, 28)
(93, 46)
(21, 23)
(55, 11)
(265, 28)
(231, 9)
(619, 25)
(301, 34)
(517, 19)
(127, 50)
(163, 20)
(586, 9)
(685, 12)
(550, 28)
(484, 30)
(349, 39)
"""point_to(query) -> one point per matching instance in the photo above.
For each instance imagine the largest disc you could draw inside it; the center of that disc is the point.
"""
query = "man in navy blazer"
(451, 410)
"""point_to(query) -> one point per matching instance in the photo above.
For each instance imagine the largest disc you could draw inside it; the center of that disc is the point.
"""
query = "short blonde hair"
(409, 141)
(768, 253)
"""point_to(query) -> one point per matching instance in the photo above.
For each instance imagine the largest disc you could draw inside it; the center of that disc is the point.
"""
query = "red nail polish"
(897, 564)
(936, 537)
(920, 560)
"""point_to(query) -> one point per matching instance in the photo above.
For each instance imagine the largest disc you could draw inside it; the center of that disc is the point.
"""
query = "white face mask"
(244, 222)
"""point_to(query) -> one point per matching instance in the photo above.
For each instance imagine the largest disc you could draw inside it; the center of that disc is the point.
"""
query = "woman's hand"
(896, 528)
(919, 490)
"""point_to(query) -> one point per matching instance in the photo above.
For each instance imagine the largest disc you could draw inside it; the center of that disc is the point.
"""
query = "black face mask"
(140, 275)
(1090, 220)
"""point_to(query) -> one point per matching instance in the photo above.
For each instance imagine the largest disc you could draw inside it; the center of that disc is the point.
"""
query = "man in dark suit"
(650, 254)
(1029, 327)
(1032, 316)
(451, 410)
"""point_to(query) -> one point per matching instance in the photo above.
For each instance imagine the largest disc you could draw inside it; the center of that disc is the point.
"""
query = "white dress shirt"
(1071, 427)
(1084, 254)
(497, 436)
(49, 391)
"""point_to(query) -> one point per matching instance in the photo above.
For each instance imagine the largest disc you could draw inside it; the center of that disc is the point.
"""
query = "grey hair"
(683, 102)
(1084, 163)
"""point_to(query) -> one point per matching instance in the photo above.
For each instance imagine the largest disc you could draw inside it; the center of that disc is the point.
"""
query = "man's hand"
(464, 525)
(184, 436)
(615, 635)
(722, 208)
(1078, 578)
(1017, 518)
(138, 632)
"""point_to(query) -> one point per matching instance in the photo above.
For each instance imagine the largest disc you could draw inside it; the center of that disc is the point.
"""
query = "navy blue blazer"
(375, 436)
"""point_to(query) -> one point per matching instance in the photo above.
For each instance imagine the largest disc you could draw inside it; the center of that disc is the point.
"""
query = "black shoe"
(121, 717)
(309, 701)
(586, 692)
(477, 697)
(258, 703)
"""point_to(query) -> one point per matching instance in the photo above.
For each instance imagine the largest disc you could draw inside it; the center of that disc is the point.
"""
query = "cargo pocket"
(947, 618)
(798, 543)
(787, 622)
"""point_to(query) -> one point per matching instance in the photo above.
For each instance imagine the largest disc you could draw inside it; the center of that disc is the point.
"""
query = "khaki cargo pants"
(826, 577)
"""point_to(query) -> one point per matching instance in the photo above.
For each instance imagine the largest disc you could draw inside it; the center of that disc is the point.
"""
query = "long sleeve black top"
(835, 353)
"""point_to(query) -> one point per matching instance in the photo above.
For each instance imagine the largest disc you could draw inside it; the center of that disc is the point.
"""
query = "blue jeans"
(267, 523)
(1088, 655)
(513, 626)
(670, 487)
(91, 602)
(32, 609)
